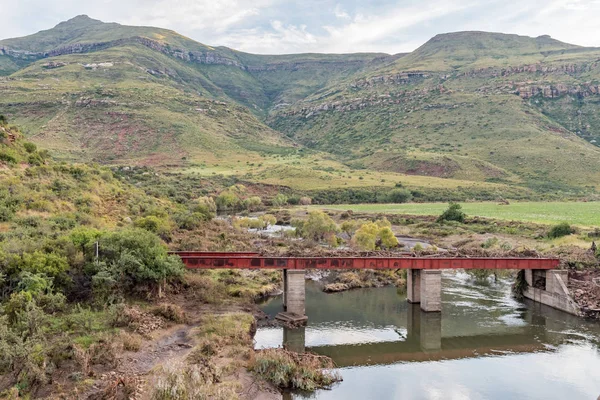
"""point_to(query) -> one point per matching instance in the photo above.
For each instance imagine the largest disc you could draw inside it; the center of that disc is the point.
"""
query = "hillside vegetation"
(482, 107)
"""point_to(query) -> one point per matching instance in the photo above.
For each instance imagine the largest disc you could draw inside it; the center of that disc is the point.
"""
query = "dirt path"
(134, 376)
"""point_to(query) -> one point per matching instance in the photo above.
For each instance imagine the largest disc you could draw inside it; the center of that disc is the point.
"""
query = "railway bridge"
(547, 284)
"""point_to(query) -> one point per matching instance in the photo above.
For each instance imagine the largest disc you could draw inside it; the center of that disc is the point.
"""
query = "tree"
(399, 196)
(227, 200)
(350, 226)
(139, 257)
(269, 219)
(280, 200)
(252, 203)
(365, 237)
(317, 227)
(374, 235)
(453, 213)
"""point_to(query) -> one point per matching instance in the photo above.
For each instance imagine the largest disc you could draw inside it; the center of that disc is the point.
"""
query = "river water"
(483, 345)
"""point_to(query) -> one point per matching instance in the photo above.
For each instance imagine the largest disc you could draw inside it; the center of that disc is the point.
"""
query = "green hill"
(470, 106)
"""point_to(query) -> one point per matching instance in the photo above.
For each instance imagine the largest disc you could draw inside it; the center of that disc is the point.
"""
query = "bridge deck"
(200, 260)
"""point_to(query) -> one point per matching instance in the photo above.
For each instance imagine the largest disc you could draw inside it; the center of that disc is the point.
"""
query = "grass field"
(576, 213)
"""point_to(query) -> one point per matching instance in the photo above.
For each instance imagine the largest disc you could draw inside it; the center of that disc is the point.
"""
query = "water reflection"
(483, 345)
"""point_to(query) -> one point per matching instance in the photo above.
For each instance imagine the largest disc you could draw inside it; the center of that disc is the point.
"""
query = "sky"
(324, 26)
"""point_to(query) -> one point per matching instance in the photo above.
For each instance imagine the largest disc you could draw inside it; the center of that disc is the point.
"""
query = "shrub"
(170, 312)
(375, 234)
(207, 207)
(560, 230)
(131, 342)
(269, 219)
(453, 213)
(399, 196)
(305, 201)
(252, 203)
(29, 147)
(289, 370)
(317, 227)
(280, 200)
(8, 157)
(138, 257)
(188, 220)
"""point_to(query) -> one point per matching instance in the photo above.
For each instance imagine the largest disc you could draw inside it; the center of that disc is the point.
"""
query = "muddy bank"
(585, 290)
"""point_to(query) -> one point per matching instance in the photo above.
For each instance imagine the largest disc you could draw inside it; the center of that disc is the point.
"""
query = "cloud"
(278, 26)
(339, 12)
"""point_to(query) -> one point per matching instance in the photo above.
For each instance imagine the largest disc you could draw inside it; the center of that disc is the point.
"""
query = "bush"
(305, 201)
(560, 230)
(374, 235)
(207, 207)
(29, 147)
(131, 342)
(189, 220)
(318, 227)
(399, 196)
(453, 213)
(170, 312)
(288, 370)
(252, 203)
(138, 257)
(280, 200)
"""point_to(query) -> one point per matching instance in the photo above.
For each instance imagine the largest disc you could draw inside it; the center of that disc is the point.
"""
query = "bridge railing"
(195, 260)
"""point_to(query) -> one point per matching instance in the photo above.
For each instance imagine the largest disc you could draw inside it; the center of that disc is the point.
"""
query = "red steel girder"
(257, 262)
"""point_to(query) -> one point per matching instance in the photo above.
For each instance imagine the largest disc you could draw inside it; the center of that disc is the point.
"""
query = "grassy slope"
(582, 214)
(460, 120)
(154, 108)
(134, 115)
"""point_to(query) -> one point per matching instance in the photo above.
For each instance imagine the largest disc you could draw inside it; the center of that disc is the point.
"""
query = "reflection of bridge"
(423, 342)
(424, 274)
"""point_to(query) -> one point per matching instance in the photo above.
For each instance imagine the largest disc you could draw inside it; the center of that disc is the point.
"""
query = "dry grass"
(177, 381)
(170, 312)
(131, 341)
(289, 370)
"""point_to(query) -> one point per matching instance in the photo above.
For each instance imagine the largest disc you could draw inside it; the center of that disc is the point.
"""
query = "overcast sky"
(278, 26)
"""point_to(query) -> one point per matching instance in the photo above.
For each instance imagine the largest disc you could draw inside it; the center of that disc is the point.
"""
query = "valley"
(122, 148)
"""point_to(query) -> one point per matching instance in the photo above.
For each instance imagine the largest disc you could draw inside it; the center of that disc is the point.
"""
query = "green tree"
(350, 226)
(453, 213)
(373, 235)
(365, 237)
(318, 226)
(227, 200)
(139, 257)
(399, 196)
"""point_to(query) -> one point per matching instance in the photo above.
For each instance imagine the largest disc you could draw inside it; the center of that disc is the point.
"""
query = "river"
(483, 345)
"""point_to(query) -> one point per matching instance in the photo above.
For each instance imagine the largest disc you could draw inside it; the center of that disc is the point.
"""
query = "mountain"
(474, 108)
(467, 105)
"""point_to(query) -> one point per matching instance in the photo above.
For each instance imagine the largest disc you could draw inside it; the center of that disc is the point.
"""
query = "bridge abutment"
(549, 287)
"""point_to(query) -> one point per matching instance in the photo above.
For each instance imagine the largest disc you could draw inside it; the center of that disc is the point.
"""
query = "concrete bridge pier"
(294, 293)
(424, 328)
(425, 286)
(294, 339)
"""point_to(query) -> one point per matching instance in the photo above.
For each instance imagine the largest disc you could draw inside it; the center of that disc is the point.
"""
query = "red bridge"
(249, 260)
(424, 282)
